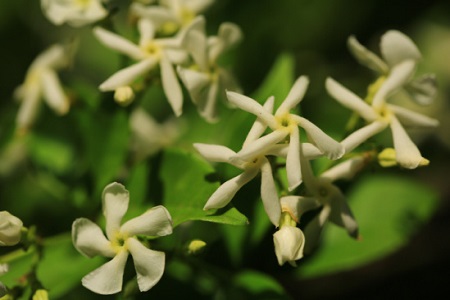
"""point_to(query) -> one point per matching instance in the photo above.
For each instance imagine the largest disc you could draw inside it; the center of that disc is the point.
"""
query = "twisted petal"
(361, 135)
(289, 242)
(407, 153)
(397, 47)
(149, 264)
(293, 170)
(269, 193)
(295, 95)
(350, 100)
(223, 195)
(259, 127)
(128, 75)
(399, 75)
(412, 118)
(331, 148)
(345, 170)
(108, 278)
(154, 222)
(115, 204)
(89, 239)
(214, 153)
(297, 205)
(171, 86)
(53, 92)
(423, 89)
(118, 43)
(253, 107)
(366, 57)
(341, 214)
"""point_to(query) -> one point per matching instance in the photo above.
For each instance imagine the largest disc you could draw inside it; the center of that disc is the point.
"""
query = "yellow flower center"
(119, 241)
(152, 49)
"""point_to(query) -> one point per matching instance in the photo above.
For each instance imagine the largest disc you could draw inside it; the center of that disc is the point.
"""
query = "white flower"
(382, 115)
(41, 81)
(396, 48)
(149, 53)
(289, 242)
(76, 13)
(285, 124)
(120, 241)
(10, 229)
(205, 79)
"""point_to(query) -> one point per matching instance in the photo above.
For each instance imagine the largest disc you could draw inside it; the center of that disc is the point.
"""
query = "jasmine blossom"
(10, 229)
(76, 13)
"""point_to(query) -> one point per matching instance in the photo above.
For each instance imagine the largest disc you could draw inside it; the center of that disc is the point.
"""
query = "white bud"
(289, 242)
(10, 229)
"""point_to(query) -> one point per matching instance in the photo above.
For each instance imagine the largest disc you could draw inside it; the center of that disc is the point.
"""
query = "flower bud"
(124, 95)
(196, 246)
(40, 295)
(289, 242)
(10, 229)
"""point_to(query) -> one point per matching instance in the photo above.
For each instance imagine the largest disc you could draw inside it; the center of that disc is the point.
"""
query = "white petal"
(229, 34)
(363, 134)
(149, 264)
(253, 107)
(208, 109)
(407, 153)
(115, 204)
(269, 193)
(128, 75)
(345, 170)
(108, 278)
(398, 77)
(223, 195)
(289, 242)
(331, 148)
(195, 82)
(366, 57)
(341, 214)
(89, 239)
(298, 205)
(54, 57)
(293, 170)
(146, 31)
(118, 43)
(154, 222)
(397, 47)
(350, 100)
(29, 106)
(214, 153)
(259, 127)
(53, 92)
(295, 95)
(412, 118)
(310, 181)
(313, 229)
(423, 89)
(309, 151)
(171, 86)
(195, 42)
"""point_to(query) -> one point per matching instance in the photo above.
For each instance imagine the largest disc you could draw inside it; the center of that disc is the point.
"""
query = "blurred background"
(314, 32)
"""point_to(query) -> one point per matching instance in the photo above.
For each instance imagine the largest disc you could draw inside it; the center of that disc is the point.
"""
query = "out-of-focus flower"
(40, 294)
(120, 241)
(41, 81)
(76, 13)
(396, 49)
(10, 229)
(205, 79)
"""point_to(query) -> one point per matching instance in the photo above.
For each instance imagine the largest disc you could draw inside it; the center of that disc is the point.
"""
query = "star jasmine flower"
(285, 124)
(150, 52)
(205, 79)
(10, 229)
(383, 115)
(396, 48)
(41, 81)
(76, 13)
(120, 241)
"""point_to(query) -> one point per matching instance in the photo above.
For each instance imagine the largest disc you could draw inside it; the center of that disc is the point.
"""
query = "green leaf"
(388, 210)
(186, 190)
(259, 284)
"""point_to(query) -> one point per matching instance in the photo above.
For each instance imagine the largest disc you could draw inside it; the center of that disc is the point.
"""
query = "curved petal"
(423, 89)
(223, 195)
(208, 109)
(29, 106)
(269, 193)
(361, 135)
(399, 75)
(413, 118)
(293, 170)
(344, 170)
(154, 222)
(53, 92)
(297, 205)
(289, 242)
(331, 148)
(108, 278)
(115, 200)
(341, 214)
(118, 43)
(146, 31)
(253, 107)
(258, 126)
(171, 86)
(295, 95)
(195, 82)
(149, 264)
(214, 153)
(350, 100)
(397, 47)
(366, 57)
(407, 153)
(314, 228)
(89, 240)
(128, 75)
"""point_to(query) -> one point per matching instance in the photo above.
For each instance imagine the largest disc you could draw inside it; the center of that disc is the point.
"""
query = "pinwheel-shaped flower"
(285, 124)
(41, 81)
(76, 13)
(205, 79)
(150, 52)
(382, 115)
(396, 49)
(120, 241)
